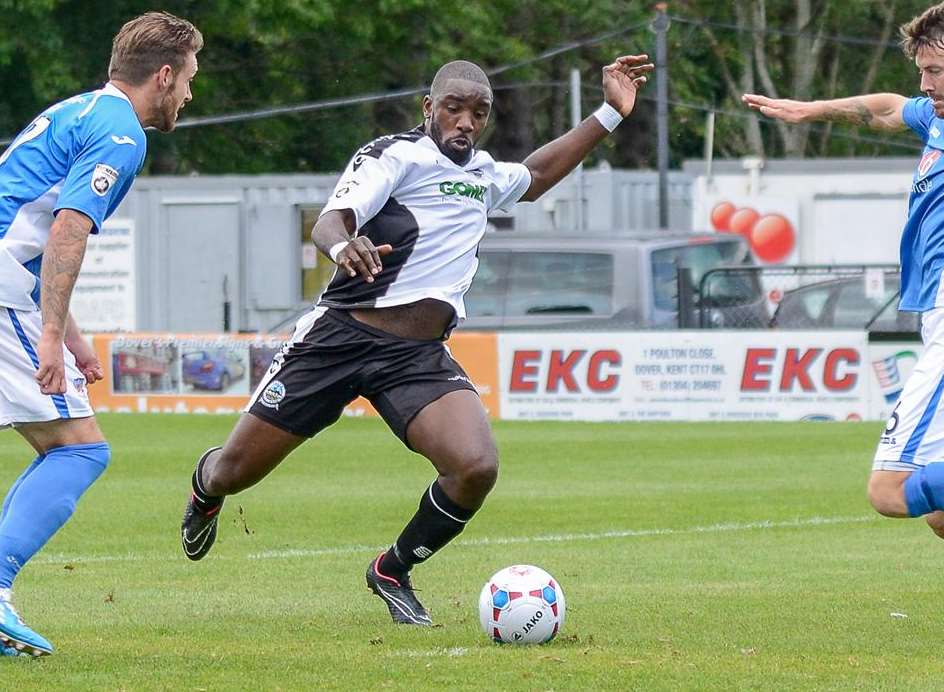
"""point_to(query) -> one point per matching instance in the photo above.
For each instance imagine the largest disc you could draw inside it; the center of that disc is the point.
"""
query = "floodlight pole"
(576, 117)
(660, 26)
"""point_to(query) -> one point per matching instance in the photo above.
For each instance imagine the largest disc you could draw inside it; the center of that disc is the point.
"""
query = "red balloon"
(772, 238)
(721, 216)
(743, 220)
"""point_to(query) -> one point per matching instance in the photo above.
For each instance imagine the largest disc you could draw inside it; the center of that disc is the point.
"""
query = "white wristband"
(335, 250)
(608, 116)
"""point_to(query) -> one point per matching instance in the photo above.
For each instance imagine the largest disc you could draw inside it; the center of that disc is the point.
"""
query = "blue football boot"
(16, 635)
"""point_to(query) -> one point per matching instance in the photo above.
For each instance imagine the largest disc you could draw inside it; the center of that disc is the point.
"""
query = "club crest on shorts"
(273, 394)
(103, 177)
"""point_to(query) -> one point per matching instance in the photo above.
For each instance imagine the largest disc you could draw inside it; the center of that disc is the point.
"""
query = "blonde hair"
(924, 31)
(147, 43)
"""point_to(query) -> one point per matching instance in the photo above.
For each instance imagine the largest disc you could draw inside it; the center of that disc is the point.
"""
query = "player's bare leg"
(910, 494)
(454, 434)
(887, 493)
(253, 449)
(935, 521)
(61, 433)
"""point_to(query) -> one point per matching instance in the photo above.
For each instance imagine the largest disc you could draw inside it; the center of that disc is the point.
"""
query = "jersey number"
(35, 129)
(893, 421)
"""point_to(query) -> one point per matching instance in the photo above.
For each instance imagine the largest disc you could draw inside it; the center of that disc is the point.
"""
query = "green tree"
(267, 53)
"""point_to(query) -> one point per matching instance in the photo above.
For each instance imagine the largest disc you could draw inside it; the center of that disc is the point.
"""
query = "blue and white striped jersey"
(82, 154)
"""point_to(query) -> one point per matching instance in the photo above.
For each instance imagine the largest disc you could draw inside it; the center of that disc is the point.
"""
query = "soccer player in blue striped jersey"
(907, 473)
(60, 178)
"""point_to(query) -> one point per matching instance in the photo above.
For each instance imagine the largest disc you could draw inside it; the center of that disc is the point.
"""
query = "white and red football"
(522, 604)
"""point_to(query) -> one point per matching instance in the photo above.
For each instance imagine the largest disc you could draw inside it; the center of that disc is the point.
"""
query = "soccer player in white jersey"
(907, 477)
(403, 225)
(59, 180)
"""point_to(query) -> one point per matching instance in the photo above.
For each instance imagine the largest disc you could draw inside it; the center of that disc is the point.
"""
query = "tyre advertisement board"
(216, 373)
(597, 376)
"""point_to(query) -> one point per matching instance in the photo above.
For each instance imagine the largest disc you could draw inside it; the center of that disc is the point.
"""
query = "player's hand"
(51, 374)
(781, 109)
(360, 257)
(622, 79)
(86, 360)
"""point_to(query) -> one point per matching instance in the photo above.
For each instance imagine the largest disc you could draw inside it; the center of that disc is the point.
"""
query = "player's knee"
(225, 475)
(935, 522)
(480, 472)
(886, 498)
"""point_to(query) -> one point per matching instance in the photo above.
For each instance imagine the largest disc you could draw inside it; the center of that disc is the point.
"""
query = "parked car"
(613, 281)
(212, 369)
(138, 370)
(845, 304)
(622, 281)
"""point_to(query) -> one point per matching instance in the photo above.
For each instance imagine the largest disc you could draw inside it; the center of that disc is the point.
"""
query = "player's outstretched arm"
(622, 79)
(62, 260)
(877, 111)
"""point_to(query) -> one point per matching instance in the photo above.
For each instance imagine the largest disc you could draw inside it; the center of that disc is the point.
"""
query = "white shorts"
(20, 398)
(914, 435)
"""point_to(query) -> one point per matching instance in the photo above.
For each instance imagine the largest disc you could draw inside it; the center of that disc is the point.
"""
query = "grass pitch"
(693, 556)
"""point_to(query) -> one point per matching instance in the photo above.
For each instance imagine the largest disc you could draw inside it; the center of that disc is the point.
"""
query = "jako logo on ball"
(521, 604)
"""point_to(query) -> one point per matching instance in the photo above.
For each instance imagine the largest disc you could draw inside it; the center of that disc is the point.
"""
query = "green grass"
(714, 575)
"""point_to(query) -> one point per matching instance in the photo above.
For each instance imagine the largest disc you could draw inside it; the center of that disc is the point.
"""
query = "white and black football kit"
(404, 192)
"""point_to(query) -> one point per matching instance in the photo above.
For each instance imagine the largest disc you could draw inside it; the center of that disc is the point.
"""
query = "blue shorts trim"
(58, 399)
(924, 423)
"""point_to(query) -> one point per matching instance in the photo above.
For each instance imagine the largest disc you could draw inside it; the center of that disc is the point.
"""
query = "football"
(522, 604)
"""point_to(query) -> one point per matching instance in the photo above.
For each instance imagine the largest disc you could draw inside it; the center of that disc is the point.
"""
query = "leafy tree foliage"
(265, 53)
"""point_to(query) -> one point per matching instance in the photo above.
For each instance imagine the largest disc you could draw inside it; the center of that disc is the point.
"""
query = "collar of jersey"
(111, 90)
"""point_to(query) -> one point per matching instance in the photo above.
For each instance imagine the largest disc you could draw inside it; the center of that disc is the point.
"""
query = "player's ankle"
(390, 565)
(204, 496)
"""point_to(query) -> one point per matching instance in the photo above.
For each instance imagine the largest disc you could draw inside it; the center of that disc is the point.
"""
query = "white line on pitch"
(507, 540)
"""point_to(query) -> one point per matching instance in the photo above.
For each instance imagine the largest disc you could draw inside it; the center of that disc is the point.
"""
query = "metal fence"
(863, 296)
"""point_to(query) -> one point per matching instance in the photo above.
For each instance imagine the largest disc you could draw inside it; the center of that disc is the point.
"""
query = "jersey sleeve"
(510, 182)
(918, 114)
(107, 159)
(368, 182)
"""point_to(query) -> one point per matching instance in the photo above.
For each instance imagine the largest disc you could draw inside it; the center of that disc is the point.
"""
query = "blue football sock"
(924, 490)
(44, 501)
(16, 484)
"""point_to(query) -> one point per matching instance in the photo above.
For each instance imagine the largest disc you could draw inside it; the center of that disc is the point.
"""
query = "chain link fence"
(863, 296)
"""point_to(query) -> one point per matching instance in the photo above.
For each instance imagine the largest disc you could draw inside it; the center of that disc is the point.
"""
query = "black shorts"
(332, 359)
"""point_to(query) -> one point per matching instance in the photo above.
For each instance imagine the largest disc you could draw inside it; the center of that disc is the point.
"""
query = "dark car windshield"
(724, 288)
(845, 304)
(541, 283)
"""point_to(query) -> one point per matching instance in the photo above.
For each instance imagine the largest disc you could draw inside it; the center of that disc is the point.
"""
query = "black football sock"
(201, 498)
(437, 521)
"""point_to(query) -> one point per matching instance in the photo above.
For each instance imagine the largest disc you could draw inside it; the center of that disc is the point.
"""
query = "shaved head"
(456, 109)
(458, 69)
